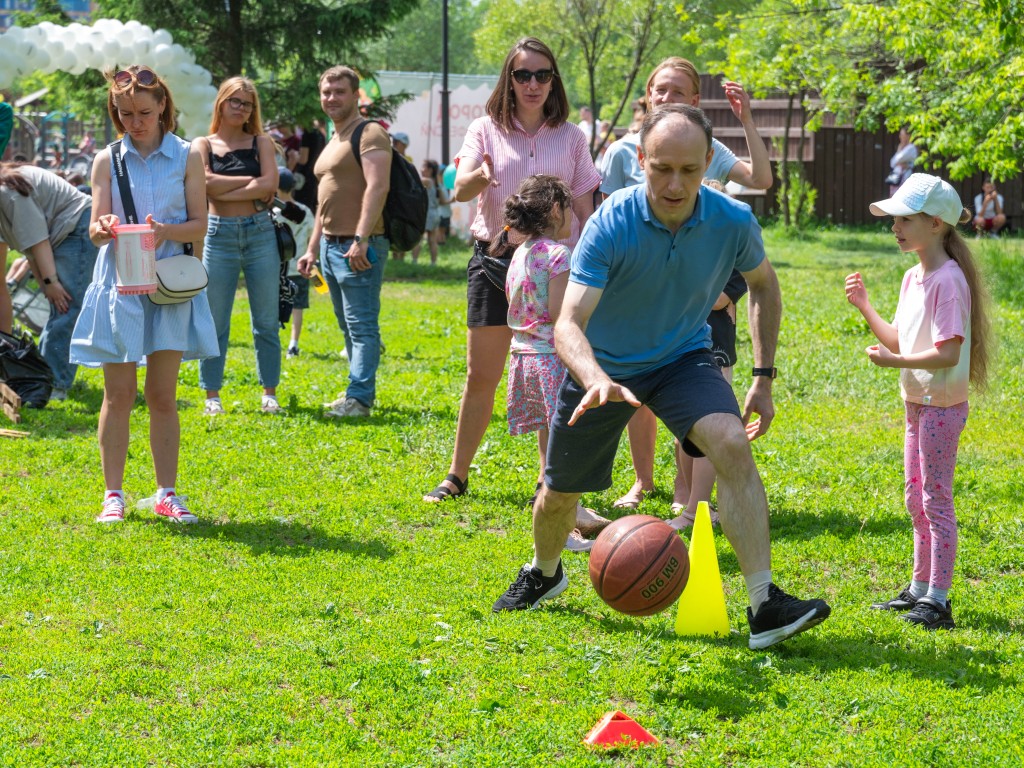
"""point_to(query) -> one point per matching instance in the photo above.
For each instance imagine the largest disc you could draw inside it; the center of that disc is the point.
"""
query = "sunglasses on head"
(143, 76)
(522, 76)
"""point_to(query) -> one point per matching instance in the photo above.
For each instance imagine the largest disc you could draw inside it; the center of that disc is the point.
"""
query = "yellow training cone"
(702, 604)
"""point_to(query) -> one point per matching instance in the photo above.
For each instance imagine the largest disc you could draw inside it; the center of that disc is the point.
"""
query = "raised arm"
(757, 174)
(884, 331)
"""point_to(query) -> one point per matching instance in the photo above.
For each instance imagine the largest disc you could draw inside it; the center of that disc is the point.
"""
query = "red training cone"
(616, 729)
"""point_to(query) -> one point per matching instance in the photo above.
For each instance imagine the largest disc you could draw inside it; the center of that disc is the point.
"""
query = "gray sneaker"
(577, 542)
(351, 407)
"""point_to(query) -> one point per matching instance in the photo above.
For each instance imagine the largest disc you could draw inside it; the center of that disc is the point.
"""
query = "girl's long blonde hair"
(981, 329)
(254, 125)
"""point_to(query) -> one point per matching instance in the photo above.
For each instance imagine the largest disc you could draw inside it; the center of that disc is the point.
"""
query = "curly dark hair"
(528, 211)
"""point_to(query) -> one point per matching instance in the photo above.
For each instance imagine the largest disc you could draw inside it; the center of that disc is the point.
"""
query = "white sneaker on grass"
(213, 407)
(349, 408)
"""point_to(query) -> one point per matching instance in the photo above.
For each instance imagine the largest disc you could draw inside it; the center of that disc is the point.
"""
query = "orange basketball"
(639, 565)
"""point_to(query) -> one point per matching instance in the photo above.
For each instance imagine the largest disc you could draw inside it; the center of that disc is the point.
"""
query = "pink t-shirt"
(560, 152)
(533, 265)
(932, 309)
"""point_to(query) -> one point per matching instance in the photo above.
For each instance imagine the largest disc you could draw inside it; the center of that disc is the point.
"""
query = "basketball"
(639, 565)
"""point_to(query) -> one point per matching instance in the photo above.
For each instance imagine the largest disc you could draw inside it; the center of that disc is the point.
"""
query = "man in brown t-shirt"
(350, 223)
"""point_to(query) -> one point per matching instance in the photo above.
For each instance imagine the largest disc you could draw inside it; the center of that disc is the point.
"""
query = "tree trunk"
(786, 217)
(802, 199)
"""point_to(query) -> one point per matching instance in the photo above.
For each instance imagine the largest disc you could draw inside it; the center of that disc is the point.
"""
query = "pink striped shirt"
(560, 152)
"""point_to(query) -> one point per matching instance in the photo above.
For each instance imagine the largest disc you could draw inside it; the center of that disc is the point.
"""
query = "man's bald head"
(674, 112)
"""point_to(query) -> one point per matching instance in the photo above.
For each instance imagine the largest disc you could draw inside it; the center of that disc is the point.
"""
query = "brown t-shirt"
(341, 183)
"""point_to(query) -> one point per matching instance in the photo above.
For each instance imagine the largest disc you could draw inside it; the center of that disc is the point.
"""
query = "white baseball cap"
(401, 136)
(922, 193)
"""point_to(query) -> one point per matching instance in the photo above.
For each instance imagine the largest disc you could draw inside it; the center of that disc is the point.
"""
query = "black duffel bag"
(23, 369)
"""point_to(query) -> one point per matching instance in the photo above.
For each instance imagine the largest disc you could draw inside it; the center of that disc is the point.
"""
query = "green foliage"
(414, 43)
(951, 71)
(802, 196)
(283, 46)
(321, 615)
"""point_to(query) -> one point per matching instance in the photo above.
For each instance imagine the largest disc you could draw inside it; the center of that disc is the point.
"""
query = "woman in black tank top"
(241, 181)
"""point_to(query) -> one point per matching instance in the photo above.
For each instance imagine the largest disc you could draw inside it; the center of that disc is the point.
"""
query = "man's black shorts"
(580, 457)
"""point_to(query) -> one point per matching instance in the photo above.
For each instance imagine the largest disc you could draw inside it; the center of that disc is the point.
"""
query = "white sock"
(919, 589)
(938, 595)
(757, 588)
(163, 493)
(547, 567)
(118, 492)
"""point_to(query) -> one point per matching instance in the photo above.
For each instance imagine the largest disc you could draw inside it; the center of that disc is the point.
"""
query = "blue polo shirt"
(658, 287)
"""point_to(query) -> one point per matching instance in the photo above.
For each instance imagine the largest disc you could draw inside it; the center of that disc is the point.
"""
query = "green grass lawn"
(321, 614)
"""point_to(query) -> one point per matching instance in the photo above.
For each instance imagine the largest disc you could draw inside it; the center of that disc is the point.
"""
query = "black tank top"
(240, 162)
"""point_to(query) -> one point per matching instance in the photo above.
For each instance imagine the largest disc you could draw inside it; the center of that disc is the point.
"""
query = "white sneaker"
(337, 402)
(269, 404)
(293, 352)
(213, 407)
(351, 407)
(577, 543)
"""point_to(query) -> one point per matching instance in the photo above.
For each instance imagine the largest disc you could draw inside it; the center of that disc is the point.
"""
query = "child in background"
(939, 340)
(537, 216)
(300, 220)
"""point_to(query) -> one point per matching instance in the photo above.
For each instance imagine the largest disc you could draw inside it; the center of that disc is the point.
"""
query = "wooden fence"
(847, 167)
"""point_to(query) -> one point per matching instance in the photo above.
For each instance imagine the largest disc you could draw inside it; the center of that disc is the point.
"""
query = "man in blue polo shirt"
(632, 330)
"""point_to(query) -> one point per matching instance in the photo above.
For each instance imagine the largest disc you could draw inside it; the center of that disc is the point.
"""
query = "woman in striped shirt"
(525, 132)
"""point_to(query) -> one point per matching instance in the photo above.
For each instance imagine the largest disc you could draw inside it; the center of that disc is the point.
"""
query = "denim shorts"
(681, 393)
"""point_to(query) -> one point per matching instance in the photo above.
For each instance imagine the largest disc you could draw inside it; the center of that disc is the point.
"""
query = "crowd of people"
(614, 288)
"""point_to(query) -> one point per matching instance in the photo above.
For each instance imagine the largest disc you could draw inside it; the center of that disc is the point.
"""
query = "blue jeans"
(75, 259)
(244, 244)
(356, 299)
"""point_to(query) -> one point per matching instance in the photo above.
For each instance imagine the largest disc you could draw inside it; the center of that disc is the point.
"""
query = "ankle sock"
(919, 589)
(163, 493)
(938, 595)
(114, 492)
(547, 567)
(757, 588)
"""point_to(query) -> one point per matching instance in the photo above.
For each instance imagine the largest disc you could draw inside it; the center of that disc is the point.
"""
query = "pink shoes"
(174, 509)
(113, 510)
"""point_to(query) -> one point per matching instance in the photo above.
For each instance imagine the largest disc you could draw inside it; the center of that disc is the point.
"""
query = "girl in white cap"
(939, 340)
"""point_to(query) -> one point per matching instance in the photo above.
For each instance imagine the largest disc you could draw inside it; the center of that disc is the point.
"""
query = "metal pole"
(445, 148)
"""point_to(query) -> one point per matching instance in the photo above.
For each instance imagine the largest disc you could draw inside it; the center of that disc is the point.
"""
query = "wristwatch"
(49, 280)
(771, 373)
(357, 239)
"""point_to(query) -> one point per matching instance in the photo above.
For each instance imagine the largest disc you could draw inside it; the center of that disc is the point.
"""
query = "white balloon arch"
(76, 48)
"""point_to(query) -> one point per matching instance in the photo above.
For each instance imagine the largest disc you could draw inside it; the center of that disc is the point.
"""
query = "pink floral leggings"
(929, 460)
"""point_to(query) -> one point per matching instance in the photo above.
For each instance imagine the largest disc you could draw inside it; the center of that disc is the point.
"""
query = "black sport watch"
(771, 373)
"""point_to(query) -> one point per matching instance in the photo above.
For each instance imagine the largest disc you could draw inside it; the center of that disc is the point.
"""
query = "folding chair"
(31, 307)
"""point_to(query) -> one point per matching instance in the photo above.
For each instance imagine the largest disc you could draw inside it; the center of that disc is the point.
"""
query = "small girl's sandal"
(443, 492)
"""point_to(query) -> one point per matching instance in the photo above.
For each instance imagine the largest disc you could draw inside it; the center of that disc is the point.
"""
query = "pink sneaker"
(174, 509)
(113, 510)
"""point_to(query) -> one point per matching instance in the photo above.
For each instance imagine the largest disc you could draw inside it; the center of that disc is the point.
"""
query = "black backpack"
(405, 210)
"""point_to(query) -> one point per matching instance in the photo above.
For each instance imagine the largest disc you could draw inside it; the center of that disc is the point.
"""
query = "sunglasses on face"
(144, 76)
(522, 76)
(237, 103)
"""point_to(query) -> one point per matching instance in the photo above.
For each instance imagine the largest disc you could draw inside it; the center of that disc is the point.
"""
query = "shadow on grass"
(741, 688)
(286, 539)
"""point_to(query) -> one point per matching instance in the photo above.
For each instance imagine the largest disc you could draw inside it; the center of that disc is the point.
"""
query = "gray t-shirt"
(50, 212)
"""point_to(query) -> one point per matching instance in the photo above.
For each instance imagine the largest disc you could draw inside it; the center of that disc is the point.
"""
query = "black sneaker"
(929, 614)
(904, 601)
(529, 588)
(781, 616)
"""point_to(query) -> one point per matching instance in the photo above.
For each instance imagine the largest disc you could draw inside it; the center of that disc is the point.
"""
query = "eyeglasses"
(237, 103)
(144, 76)
(522, 76)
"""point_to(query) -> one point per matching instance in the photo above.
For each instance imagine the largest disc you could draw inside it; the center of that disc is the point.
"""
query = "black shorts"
(723, 338)
(580, 457)
(486, 304)
(301, 292)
